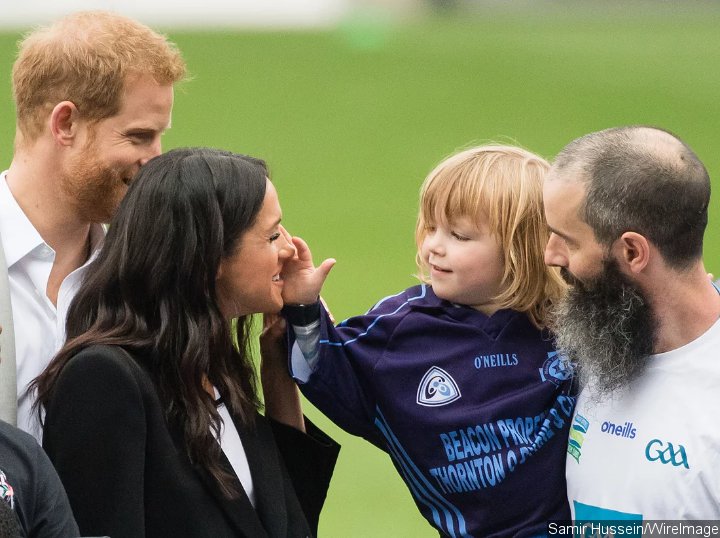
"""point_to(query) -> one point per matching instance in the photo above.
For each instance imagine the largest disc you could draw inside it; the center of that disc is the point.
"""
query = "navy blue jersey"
(473, 410)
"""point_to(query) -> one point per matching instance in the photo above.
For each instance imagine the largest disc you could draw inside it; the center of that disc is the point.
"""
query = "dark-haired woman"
(151, 408)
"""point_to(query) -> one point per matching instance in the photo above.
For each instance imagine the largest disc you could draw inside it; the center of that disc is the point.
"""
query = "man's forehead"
(562, 202)
(147, 104)
(575, 171)
(564, 183)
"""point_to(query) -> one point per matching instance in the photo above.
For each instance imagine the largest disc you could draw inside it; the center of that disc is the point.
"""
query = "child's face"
(465, 263)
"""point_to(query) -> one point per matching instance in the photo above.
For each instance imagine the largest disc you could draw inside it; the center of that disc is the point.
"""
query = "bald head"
(640, 179)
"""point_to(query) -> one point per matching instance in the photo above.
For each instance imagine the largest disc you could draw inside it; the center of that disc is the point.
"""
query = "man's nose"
(556, 252)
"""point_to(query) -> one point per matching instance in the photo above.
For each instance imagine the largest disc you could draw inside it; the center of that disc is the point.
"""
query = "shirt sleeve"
(305, 353)
(95, 432)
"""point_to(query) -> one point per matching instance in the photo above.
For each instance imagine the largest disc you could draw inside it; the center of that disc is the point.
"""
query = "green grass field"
(352, 119)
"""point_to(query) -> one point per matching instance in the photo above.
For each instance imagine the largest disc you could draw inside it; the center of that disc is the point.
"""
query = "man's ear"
(633, 251)
(64, 123)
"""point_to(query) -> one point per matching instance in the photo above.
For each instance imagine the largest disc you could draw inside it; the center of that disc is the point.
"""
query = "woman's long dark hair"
(152, 291)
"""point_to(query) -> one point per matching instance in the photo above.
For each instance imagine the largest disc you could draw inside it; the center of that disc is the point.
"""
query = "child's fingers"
(288, 238)
(302, 249)
(326, 266)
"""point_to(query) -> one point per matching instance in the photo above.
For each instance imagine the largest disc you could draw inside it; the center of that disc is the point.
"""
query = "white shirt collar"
(19, 236)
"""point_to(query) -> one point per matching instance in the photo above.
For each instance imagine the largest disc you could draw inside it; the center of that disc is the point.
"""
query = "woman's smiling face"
(249, 281)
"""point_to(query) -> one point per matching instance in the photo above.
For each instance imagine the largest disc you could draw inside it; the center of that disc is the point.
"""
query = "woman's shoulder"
(103, 362)
(103, 354)
(101, 380)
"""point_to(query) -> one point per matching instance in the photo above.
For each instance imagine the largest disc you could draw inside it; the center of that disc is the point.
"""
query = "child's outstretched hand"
(302, 281)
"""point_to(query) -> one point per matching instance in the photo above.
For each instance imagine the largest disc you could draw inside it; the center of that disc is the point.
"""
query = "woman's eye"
(275, 237)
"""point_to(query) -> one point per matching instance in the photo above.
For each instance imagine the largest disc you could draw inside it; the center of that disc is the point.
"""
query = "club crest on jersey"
(556, 368)
(437, 388)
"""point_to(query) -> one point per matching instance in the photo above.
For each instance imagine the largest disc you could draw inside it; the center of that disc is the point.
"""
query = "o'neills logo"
(626, 430)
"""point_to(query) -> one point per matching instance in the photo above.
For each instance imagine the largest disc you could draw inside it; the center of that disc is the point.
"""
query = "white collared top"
(39, 325)
(232, 446)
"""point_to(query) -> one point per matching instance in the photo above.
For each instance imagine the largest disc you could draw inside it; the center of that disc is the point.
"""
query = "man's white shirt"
(39, 325)
(652, 451)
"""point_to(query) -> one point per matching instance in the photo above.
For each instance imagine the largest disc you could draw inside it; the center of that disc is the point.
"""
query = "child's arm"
(336, 366)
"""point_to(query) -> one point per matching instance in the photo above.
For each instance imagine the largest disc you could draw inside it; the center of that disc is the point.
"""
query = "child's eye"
(460, 237)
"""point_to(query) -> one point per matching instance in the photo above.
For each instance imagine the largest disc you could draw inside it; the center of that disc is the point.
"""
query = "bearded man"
(627, 208)
(93, 95)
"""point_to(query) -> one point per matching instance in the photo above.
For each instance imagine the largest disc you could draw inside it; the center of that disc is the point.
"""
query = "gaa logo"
(437, 388)
(656, 450)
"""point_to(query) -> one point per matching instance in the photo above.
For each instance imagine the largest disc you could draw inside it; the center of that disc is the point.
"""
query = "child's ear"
(634, 251)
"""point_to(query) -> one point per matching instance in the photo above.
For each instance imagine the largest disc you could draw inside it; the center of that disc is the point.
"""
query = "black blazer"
(127, 474)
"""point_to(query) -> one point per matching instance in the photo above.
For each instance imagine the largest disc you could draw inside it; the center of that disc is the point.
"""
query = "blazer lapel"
(241, 515)
(259, 445)
(239, 511)
(8, 380)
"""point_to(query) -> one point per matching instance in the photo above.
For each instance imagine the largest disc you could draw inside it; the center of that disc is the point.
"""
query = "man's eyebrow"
(140, 130)
(560, 234)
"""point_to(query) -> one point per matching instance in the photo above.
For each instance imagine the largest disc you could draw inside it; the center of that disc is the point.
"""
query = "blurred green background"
(352, 118)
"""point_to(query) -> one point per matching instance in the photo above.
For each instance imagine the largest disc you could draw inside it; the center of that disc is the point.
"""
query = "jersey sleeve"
(338, 377)
(95, 432)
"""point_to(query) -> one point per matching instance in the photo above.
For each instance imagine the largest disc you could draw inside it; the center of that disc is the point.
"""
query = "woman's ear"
(634, 252)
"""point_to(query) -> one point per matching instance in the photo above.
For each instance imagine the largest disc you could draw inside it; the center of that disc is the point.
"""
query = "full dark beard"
(606, 328)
